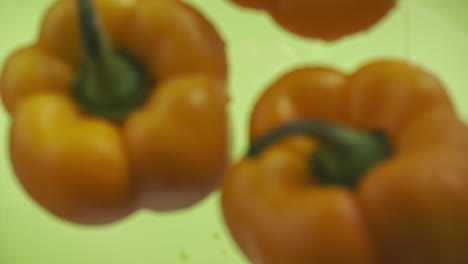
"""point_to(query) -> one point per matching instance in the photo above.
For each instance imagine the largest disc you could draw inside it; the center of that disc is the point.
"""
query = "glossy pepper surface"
(118, 105)
(362, 168)
(327, 20)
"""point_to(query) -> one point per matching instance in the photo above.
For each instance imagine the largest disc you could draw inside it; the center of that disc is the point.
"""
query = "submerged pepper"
(321, 19)
(118, 105)
(367, 168)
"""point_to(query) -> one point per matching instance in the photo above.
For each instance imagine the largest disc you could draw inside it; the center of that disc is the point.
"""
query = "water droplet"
(184, 256)
(216, 236)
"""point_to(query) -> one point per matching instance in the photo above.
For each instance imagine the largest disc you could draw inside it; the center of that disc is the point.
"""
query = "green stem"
(100, 57)
(109, 84)
(93, 37)
(343, 155)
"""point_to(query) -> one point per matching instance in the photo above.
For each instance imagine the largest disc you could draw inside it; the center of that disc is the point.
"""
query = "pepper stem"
(343, 156)
(109, 84)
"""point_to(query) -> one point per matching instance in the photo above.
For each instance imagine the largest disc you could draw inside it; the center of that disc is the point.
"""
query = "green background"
(433, 33)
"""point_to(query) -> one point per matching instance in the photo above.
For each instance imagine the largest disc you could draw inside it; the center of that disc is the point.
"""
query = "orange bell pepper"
(117, 111)
(327, 20)
(367, 168)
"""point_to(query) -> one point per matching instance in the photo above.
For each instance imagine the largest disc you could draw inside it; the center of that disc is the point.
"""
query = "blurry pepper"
(358, 169)
(327, 20)
(119, 122)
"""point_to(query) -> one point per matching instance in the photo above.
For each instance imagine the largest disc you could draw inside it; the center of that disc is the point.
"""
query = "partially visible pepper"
(327, 20)
(367, 168)
(114, 114)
